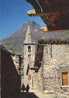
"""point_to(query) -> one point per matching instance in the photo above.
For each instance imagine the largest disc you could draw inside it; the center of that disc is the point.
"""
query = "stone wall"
(54, 55)
(38, 80)
(58, 52)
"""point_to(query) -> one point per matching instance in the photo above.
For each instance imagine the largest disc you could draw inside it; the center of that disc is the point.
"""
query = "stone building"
(46, 62)
(54, 69)
(19, 66)
(53, 64)
(18, 62)
(29, 56)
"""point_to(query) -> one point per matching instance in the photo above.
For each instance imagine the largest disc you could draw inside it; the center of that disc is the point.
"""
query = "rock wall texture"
(49, 75)
(54, 56)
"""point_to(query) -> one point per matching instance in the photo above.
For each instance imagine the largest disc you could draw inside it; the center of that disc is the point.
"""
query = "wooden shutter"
(64, 78)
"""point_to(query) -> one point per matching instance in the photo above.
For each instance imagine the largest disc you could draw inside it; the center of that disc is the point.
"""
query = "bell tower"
(29, 56)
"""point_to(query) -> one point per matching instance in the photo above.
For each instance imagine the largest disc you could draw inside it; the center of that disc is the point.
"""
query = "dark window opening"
(29, 48)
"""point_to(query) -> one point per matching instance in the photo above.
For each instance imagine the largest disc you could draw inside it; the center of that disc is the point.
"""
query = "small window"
(64, 78)
(29, 48)
(29, 55)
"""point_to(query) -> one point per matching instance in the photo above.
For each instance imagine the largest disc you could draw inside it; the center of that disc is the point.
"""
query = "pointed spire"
(28, 35)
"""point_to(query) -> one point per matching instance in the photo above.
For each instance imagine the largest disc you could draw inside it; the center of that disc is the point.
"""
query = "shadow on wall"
(38, 56)
(10, 80)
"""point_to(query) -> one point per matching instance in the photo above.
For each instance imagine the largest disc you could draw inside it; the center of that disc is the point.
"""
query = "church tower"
(29, 56)
(28, 36)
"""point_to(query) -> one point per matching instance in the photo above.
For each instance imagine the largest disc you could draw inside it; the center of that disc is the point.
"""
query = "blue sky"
(13, 16)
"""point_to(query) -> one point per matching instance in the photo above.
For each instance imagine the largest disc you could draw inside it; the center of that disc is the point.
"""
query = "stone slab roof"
(60, 36)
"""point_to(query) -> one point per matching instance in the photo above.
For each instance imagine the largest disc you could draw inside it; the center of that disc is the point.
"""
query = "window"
(64, 78)
(29, 58)
(29, 48)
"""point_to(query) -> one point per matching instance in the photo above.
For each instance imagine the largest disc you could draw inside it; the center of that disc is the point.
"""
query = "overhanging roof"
(61, 37)
(57, 12)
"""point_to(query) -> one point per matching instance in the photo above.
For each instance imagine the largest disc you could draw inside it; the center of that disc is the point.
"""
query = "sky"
(13, 14)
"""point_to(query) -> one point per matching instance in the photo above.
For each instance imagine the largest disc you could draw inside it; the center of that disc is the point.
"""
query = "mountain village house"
(46, 62)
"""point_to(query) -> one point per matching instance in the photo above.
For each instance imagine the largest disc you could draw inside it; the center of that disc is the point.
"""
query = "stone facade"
(54, 61)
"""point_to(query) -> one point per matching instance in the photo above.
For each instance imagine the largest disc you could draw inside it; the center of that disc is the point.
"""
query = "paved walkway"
(45, 95)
